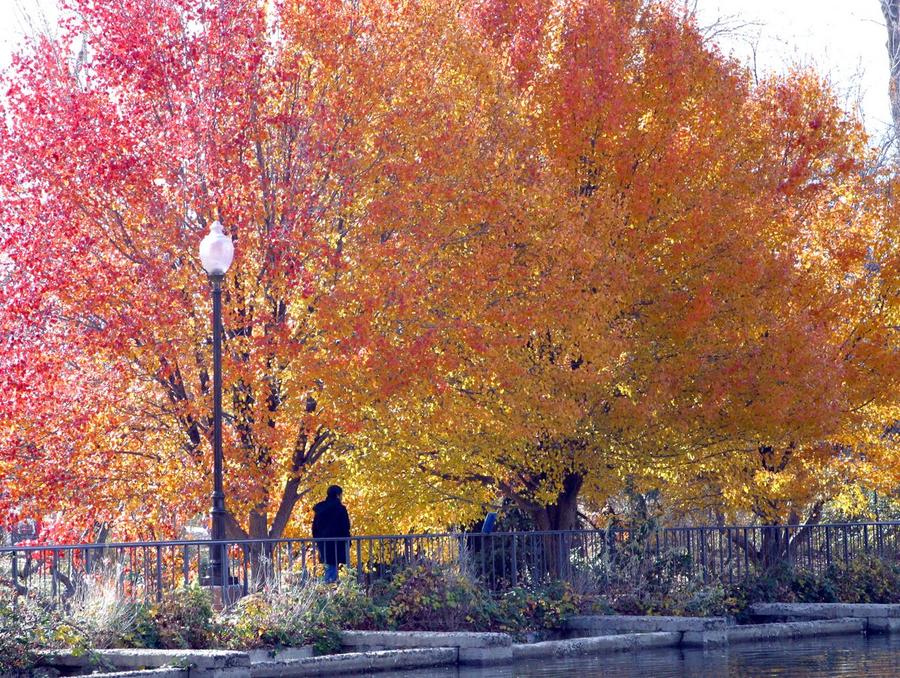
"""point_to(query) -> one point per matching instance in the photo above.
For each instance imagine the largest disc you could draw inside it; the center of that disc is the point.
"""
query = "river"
(874, 656)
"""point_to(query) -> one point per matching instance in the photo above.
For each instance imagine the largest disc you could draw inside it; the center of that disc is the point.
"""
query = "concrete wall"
(878, 618)
(473, 648)
(193, 663)
(357, 662)
(788, 630)
(595, 645)
(694, 631)
(801, 611)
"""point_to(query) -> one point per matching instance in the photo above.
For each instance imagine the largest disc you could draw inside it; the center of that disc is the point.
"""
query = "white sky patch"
(843, 39)
(20, 18)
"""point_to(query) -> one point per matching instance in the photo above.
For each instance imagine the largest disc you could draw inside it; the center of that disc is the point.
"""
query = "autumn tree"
(336, 141)
(485, 248)
(699, 257)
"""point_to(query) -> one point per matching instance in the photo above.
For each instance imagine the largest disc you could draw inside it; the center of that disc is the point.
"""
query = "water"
(870, 656)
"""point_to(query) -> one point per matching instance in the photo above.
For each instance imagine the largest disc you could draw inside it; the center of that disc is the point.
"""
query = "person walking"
(331, 529)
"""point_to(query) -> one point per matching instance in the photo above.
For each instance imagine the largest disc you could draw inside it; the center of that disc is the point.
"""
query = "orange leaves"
(509, 241)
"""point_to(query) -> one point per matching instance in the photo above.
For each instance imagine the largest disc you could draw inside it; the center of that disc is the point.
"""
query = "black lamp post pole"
(218, 495)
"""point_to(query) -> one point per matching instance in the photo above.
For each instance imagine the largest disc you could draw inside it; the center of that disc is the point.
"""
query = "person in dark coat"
(331, 522)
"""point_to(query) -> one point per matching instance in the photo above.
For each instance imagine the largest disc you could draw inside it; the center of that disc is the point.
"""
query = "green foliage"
(144, 632)
(632, 576)
(253, 623)
(22, 629)
(107, 617)
(863, 580)
(423, 597)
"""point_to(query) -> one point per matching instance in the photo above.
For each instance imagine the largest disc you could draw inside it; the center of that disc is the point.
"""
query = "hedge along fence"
(499, 561)
(301, 610)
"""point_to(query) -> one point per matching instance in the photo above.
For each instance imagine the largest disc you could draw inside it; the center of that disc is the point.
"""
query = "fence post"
(730, 556)
(159, 583)
(225, 560)
(54, 569)
(827, 545)
(703, 553)
(493, 539)
(721, 555)
(787, 545)
(809, 549)
(515, 562)
(846, 546)
(746, 554)
(15, 576)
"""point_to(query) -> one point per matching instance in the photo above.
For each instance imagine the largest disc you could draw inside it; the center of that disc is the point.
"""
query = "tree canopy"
(533, 250)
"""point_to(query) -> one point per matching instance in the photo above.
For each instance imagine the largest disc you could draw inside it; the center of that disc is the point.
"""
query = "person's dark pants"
(331, 573)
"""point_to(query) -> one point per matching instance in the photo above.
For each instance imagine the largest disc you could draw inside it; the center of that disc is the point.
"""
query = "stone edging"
(596, 645)
(148, 673)
(786, 630)
(878, 618)
(280, 654)
(372, 651)
(199, 663)
(478, 649)
(357, 662)
(802, 611)
(625, 623)
(692, 631)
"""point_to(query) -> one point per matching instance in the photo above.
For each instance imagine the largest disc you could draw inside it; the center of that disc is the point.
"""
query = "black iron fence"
(500, 560)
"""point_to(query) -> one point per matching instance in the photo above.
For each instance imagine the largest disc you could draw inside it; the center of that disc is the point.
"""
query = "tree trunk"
(777, 545)
(891, 11)
(559, 516)
(307, 452)
(260, 553)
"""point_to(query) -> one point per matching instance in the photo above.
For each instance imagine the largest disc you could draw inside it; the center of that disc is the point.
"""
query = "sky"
(843, 39)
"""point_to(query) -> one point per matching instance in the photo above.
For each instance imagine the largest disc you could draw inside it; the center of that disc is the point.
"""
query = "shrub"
(344, 606)
(279, 616)
(865, 580)
(184, 619)
(29, 624)
(21, 633)
(110, 618)
(431, 597)
(521, 609)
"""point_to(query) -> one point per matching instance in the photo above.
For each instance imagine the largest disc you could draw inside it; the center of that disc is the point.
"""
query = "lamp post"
(216, 254)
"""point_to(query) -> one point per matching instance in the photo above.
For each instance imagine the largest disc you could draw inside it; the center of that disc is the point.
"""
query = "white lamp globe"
(216, 250)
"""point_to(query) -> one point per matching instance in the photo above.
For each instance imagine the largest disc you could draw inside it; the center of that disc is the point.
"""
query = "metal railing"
(498, 560)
